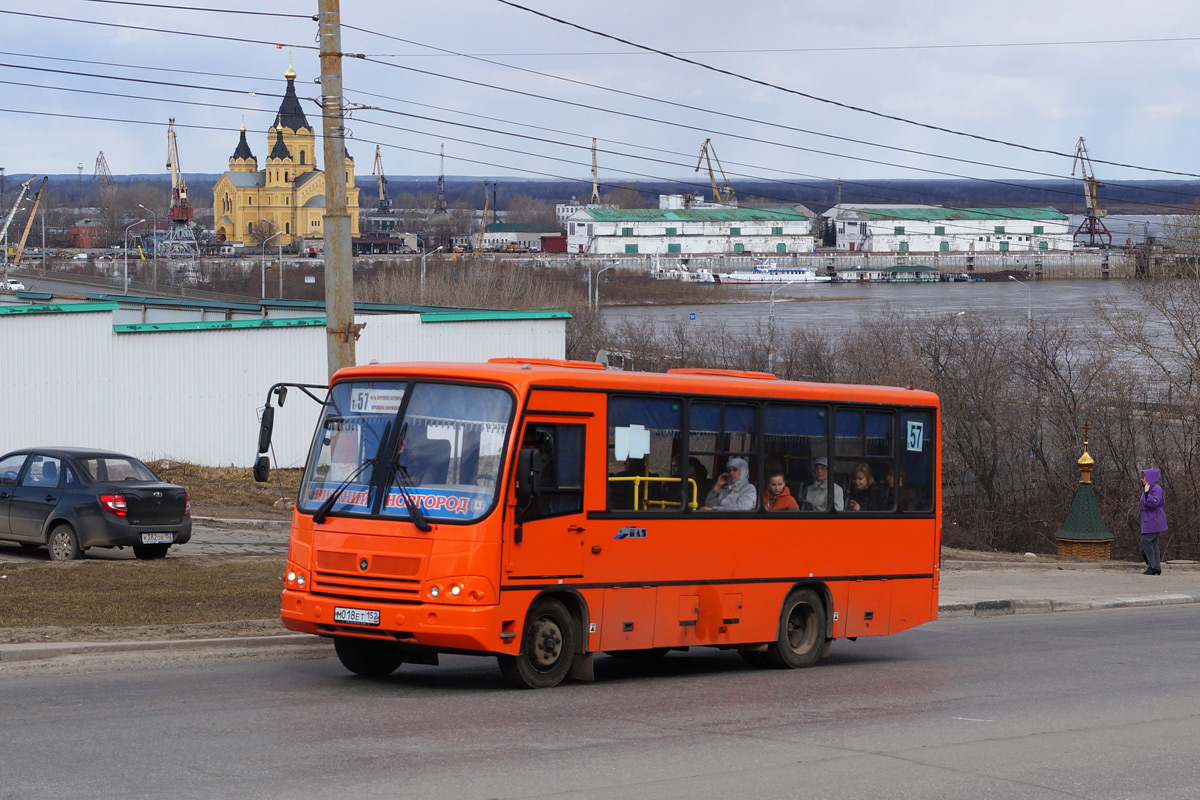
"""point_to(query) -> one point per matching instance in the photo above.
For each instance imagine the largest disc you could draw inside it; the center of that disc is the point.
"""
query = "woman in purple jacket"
(1154, 520)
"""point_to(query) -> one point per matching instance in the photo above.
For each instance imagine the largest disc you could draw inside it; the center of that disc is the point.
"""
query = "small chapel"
(288, 196)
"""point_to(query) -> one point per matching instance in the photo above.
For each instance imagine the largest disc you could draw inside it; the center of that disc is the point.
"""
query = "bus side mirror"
(264, 430)
(262, 469)
(530, 462)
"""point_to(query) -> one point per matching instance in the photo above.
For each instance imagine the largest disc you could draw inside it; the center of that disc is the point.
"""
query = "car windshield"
(441, 443)
(115, 469)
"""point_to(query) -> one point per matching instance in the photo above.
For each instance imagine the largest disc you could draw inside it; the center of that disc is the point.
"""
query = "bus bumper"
(486, 629)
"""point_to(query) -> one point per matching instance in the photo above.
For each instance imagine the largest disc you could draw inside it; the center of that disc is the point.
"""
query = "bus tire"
(801, 631)
(368, 657)
(547, 648)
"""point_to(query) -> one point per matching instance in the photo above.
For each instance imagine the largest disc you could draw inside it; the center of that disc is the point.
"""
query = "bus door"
(547, 536)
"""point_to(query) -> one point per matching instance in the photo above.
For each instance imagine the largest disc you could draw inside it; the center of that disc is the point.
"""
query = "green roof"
(58, 308)
(485, 316)
(1083, 522)
(217, 325)
(695, 214)
(962, 213)
(520, 227)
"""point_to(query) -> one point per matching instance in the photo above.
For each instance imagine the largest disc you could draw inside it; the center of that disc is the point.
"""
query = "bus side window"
(562, 477)
(915, 492)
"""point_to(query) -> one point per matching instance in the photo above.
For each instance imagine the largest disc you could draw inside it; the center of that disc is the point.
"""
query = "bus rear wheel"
(547, 647)
(368, 657)
(801, 631)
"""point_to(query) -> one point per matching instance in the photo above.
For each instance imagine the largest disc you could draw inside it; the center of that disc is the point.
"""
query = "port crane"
(1092, 230)
(721, 194)
(180, 239)
(103, 176)
(37, 201)
(482, 223)
(12, 212)
(439, 205)
(385, 204)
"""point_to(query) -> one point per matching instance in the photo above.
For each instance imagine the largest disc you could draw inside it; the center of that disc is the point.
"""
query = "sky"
(509, 93)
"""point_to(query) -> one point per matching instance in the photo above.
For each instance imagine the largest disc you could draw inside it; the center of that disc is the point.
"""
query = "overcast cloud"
(1135, 102)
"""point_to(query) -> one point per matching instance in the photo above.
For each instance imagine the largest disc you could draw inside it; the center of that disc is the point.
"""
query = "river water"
(842, 305)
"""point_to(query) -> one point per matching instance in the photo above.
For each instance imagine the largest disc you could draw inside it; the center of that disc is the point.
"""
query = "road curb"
(34, 651)
(1000, 608)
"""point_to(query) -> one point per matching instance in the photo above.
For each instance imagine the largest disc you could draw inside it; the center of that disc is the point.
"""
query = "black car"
(71, 499)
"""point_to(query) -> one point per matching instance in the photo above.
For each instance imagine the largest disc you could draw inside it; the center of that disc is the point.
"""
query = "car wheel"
(547, 648)
(150, 551)
(368, 657)
(63, 544)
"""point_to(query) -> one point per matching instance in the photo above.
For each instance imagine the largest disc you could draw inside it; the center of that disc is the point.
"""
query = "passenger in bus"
(733, 490)
(696, 472)
(817, 493)
(864, 495)
(910, 498)
(621, 494)
(778, 497)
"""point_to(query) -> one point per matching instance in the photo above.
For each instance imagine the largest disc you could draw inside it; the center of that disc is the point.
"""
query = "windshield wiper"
(324, 509)
(402, 478)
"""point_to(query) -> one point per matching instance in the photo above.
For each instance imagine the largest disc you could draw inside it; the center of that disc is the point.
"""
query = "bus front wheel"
(368, 657)
(801, 631)
(547, 647)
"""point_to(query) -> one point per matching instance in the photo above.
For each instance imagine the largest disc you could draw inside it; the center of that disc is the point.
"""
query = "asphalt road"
(1099, 704)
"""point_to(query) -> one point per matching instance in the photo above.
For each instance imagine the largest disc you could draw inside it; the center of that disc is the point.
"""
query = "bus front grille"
(366, 586)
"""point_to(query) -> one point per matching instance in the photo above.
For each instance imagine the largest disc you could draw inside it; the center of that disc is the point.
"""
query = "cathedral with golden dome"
(288, 196)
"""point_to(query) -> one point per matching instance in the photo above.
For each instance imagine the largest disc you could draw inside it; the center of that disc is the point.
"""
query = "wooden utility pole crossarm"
(339, 277)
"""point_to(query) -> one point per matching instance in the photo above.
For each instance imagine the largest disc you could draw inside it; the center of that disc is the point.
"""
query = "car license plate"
(158, 538)
(356, 616)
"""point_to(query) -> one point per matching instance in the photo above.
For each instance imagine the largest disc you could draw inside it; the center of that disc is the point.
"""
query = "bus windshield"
(441, 443)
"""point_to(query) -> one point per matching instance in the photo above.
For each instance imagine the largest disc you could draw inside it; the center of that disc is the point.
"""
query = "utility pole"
(340, 330)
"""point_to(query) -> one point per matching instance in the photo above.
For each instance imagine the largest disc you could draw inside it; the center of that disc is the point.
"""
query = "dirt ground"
(231, 493)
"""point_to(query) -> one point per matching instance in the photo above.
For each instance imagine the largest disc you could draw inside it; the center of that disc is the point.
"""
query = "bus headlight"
(294, 579)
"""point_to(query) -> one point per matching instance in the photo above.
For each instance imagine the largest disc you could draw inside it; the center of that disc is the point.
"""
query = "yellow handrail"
(643, 496)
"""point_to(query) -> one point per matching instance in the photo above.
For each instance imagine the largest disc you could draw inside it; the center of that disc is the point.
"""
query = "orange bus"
(544, 511)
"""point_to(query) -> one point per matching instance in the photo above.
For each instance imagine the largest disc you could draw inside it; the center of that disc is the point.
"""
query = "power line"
(827, 101)
(618, 153)
(858, 49)
(146, 29)
(177, 7)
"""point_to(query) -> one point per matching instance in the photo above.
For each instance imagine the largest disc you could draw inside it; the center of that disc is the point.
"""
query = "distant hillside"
(1142, 197)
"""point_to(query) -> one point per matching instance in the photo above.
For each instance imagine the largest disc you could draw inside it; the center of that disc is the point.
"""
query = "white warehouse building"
(932, 229)
(185, 380)
(684, 231)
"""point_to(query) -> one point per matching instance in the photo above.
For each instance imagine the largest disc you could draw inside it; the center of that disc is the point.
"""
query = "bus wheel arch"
(547, 645)
(803, 629)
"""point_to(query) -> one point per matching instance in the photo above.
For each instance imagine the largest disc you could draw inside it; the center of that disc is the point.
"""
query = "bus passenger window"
(796, 436)
(643, 437)
(915, 486)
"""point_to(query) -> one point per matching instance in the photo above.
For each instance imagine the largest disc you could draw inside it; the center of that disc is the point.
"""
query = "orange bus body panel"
(687, 580)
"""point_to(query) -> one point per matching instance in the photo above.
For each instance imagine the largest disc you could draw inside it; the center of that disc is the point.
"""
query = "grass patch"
(173, 591)
(232, 491)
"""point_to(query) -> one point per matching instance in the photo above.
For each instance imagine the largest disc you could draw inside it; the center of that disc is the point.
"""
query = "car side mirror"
(262, 469)
(264, 430)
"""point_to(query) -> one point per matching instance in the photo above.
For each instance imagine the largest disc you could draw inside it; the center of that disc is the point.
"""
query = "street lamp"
(264, 260)
(1028, 300)
(154, 238)
(598, 274)
(134, 225)
(423, 254)
(771, 329)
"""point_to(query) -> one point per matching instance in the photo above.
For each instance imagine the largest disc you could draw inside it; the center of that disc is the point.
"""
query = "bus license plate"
(158, 538)
(356, 616)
